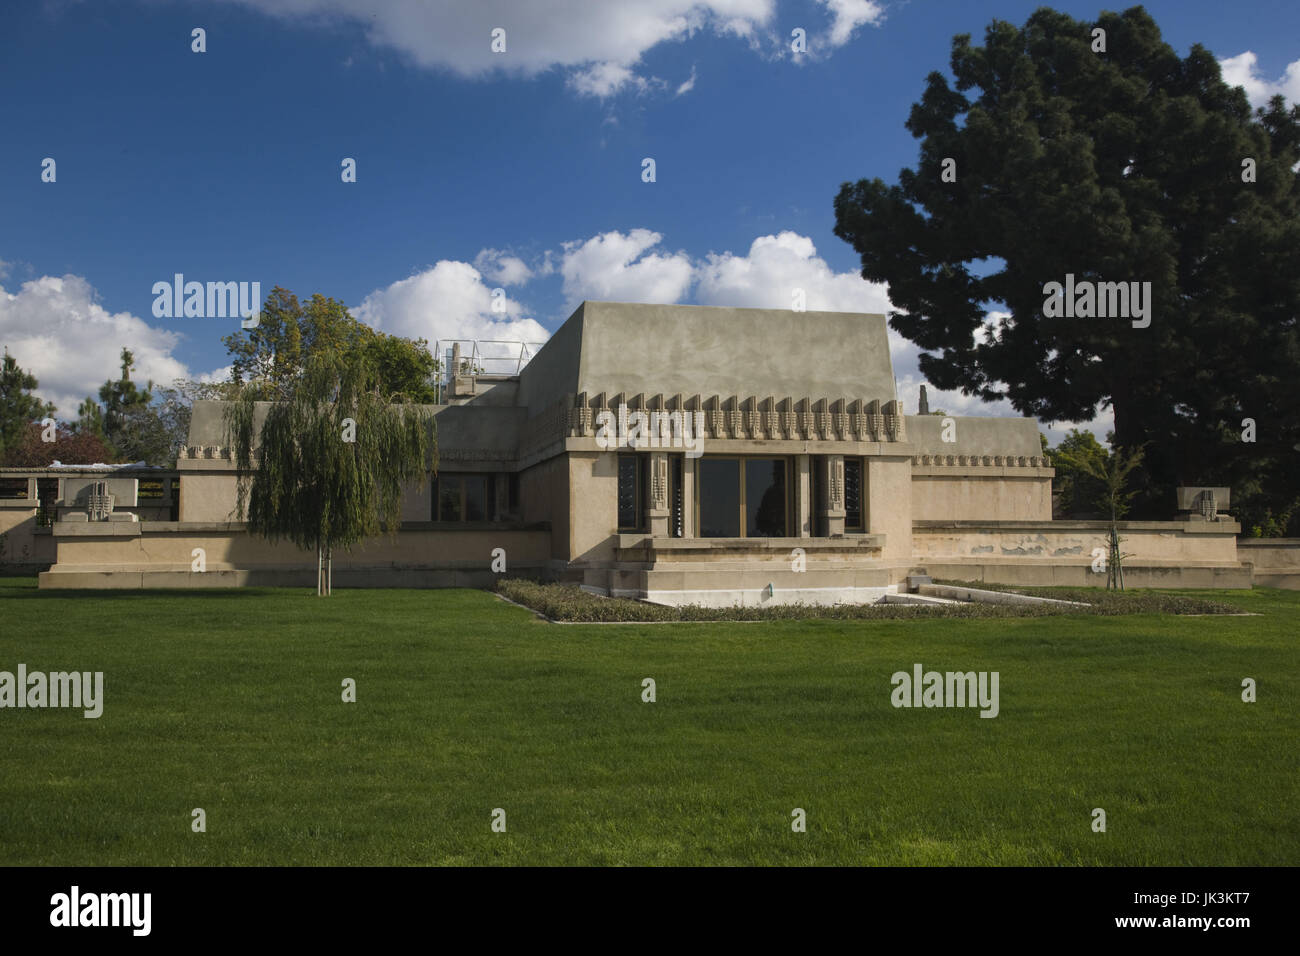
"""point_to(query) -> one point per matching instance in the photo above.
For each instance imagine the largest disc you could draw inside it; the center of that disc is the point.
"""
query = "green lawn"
(230, 701)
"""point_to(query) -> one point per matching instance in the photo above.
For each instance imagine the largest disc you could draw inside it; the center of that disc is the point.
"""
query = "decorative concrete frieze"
(729, 417)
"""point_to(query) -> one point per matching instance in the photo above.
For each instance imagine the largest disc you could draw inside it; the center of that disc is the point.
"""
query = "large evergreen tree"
(125, 420)
(1128, 164)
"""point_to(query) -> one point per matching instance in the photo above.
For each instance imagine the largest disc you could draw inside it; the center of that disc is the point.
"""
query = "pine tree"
(1050, 156)
(18, 408)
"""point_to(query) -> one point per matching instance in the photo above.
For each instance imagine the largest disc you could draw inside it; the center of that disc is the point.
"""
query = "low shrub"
(568, 602)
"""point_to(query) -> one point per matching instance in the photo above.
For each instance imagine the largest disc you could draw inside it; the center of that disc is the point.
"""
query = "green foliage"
(1110, 471)
(127, 422)
(273, 356)
(1076, 488)
(1116, 166)
(90, 418)
(1111, 474)
(121, 400)
(301, 479)
(18, 408)
(566, 602)
(1269, 525)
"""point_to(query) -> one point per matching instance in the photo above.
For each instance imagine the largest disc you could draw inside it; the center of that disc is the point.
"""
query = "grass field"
(231, 701)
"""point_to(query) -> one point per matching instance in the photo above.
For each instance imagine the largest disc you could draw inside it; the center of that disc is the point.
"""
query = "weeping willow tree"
(329, 464)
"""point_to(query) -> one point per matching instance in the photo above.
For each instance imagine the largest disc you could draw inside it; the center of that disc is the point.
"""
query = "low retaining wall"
(1274, 562)
(159, 554)
(1160, 554)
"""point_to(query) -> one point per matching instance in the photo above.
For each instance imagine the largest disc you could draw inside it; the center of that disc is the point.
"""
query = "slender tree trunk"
(320, 571)
(329, 570)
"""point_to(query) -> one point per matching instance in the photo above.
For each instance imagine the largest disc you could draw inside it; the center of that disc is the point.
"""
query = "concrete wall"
(544, 496)
(161, 555)
(417, 502)
(974, 436)
(26, 547)
(971, 497)
(208, 495)
(593, 511)
(616, 347)
(889, 505)
(553, 371)
(1162, 553)
(1275, 562)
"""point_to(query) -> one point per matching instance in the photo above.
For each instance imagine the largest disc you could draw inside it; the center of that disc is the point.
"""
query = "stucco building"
(673, 453)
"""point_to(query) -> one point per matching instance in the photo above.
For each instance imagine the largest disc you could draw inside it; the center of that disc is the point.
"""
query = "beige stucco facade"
(676, 454)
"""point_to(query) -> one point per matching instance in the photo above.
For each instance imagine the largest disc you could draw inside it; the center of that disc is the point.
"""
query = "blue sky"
(475, 170)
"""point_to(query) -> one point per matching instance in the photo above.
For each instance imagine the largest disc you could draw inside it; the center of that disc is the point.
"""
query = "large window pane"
(765, 505)
(719, 480)
(449, 499)
(475, 498)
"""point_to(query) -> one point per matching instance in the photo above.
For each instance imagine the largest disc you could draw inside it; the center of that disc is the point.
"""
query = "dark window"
(514, 493)
(47, 491)
(13, 487)
(631, 494)
(816, 464)
(475, 499)
(461, 498)
(765, 499)
(743, 497)
(719, 496)
(853, 495)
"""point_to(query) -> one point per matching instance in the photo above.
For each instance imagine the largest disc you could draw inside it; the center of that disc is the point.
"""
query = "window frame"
(460, 479)
(787, 463)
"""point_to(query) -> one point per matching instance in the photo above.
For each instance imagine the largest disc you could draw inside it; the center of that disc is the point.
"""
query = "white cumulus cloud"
(849, 15)
(775, 266)
(54, 328)
(599, 44)
(456, 35)
(1243, 70)
(447, 301)
(620, 267)
(503, 268)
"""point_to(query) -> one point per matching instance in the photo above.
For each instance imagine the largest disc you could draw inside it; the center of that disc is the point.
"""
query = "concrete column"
(833, 495)
(889, 504)
(803, 516)
(658, 512)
